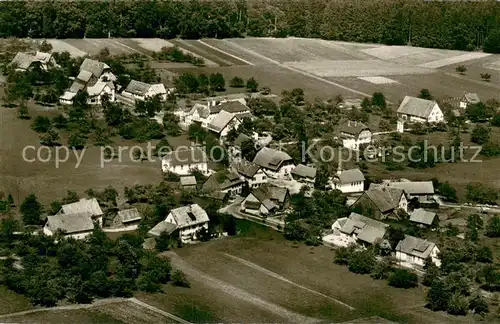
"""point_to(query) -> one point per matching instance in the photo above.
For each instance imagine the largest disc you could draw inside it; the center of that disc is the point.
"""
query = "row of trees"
(461, 26)
(188, 83)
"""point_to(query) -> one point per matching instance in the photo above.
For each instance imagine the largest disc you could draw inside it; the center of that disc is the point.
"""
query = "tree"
(71, 197)
(394, 235)
(163, 242)
(22, 112)
(478, 112)
(104, 53)
(361, 262)
(495, 121)
(478, 305)
(481, 194)
(179, 279)
(50, 138)
(31, 210)
(147, 282)
(252, 85)
(432, 273)
(461, 69)
(10, 200)
(378, 100)
(366, 104)
(438, 296)
(447, 192)
(458, 305)
(425, 94)
(480, 135)
(41, 124)
(492, 42)
(76, 141)
(382, 270)
(55, 207)
(248, 150)
(45, 46)
(217, 82)
(60, 122)
(493, 227)
(402, 278)
(485, 77)
(237, 82)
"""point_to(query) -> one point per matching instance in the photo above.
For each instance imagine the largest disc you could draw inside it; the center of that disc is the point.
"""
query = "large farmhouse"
(84, 205)
(382, 202)
(416, 250)
(183, 161)
(419, 110)
(76, 225)
(276, 164)
(224, 181)
(359, 229)
(250, 172)
(25, 61)
(223, 123)
(353, 134)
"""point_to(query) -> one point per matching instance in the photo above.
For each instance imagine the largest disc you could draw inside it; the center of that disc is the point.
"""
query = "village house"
(265, 200)
(416, 250)
(75, 225)
(25, 61)
(421, 190)
(424, 218)
(304, 174)
(234, 148)
(251, 173)
(223, 123)
(382, 202)
(199, 114)
(224, 181)
(128, 219)
(141, 91)
(187, 220)
(183, 161)
(276, 164)
(188, 182)
(84, 205)
(205, 111)
(419, 110)
(354, 134)
(348, 181)
(469, 99)
(359, 229)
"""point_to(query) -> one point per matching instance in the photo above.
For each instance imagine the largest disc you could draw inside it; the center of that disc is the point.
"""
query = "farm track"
(205, 51)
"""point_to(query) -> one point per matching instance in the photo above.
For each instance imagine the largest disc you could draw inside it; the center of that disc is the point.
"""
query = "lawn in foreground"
(10, 302)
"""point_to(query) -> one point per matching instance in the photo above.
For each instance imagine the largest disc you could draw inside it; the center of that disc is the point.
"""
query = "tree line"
(438, 24)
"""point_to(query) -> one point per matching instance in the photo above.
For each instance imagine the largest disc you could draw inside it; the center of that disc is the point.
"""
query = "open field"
(12, 302)
(281, 282)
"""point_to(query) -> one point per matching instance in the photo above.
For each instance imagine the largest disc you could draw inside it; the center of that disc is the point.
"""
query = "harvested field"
(489, 65)
(454, 60)
(377, 80)
(356, 68)
(59, 45)
(152, 44)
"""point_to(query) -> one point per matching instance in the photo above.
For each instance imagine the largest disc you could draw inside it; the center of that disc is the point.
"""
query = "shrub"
(179, 279)
(458, 305)
(237, 82)
(361, 262)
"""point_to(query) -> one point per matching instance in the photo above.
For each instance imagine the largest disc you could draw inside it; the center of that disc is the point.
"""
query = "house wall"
(351, 187)
(463, 104)
(417, 260)
(257, 180)
(436, 115)
(262, 211)
(233, 191)
(285, 170)
(403, 203)
(184, 169)
(233, 124)
(98, 99)
(353, 143)
(188, 234)
(76, 236)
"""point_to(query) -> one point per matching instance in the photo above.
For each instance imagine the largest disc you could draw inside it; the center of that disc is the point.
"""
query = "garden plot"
(378, 80)
(355, 68)
(59, 45)
(294, 49)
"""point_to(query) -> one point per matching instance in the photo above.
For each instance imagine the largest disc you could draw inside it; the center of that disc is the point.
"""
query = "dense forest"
(442, 24)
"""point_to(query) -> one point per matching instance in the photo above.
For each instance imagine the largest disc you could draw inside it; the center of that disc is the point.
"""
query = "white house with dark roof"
(250, 172)
(305, 174)
(224, 181)
(128, 219)
(24, 61)
(359, 229)
(469, 99)
(187, 220)
(76, 225)
(424, 218)
(265, 200)
(223, 123)
(84, 205)
(422, 190)
(141, 91)
(419, 110)
(184, 159)
(416, 250)
(275, 163)
(348, 181)
(353, 134)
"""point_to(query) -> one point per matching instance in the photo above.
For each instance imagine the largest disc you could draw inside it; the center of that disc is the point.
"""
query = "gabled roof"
(186, 156)
(234, 107)
(98, 88)
(188, 181)
(352, 127)
(350, 176)
(24, 60)
(416, 107)
(270, 158)
(422, 216)
(189, 215)
(84, 76)
(70, 223)
(83, 205)
(472, 98)
(415, 246)
(76, 86)
(272, 193)
(93, 66)
(159, 88)
(220, 121)
(246, 169)
(162, 227)
(385, 198)
(137, 87)
(68, 95)
(413, 187)
(222, 180)
(240, 139)
(366, 229)
(129, 215)
(304, 171)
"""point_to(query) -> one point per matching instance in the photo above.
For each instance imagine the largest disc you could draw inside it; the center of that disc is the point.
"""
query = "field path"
(157, 310)
(310, 75)
(277, 276)
(288, 315)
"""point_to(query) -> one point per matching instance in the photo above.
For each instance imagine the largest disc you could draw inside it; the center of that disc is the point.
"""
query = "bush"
(361, 262)
(478, 305)
(402, 278)
(179, 279)
(458, 305)
(41, 124)
(237, 82)
(382, 270)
